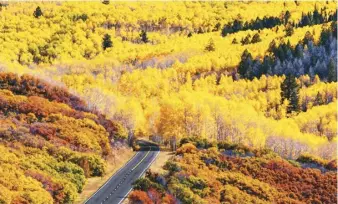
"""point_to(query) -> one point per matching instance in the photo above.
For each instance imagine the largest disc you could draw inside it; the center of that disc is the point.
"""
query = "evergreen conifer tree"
(256, 38)
(210, 46)
(143, 36)
(38, 12)
(245, 66)
(289, 91)
(332, 71)
(318, 100)
(107, 42)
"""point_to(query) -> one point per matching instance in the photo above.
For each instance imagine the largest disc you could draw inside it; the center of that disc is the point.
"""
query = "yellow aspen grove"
(243, 92)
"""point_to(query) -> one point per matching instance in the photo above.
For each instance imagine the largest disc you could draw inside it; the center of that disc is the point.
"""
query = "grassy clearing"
(161, 159)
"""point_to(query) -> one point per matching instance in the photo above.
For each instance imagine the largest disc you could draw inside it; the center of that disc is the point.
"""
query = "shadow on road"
(147, 146)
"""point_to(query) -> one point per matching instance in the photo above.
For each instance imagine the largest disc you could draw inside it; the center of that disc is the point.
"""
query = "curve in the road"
(115, 190)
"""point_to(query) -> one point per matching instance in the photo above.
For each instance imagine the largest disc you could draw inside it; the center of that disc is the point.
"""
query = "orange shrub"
(186, 148)
(139, 197)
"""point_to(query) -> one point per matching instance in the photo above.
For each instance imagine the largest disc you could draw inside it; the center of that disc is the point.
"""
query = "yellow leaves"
(131, 114)
(75, 39)
(15, 184)
(5, 195)
(6, 156)
(207, 84)
(171, 113)
(256, 137)
(84, 133)
(320, 120)
(143, 84)
(187, 148)
(169, 86)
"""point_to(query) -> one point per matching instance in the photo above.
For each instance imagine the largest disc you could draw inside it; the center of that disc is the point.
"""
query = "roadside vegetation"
(79, 81)
(203, 172)
(49, 142)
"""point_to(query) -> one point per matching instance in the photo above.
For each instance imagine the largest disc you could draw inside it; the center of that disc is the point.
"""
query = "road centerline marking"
(124, 197)
(141, 160)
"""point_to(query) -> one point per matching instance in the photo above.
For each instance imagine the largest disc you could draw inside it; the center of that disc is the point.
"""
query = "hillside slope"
(49, 142)
(228, 173)
(259, 74)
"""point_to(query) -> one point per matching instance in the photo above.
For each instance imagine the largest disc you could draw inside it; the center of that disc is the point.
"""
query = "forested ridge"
(49, 142)
(259, 74)
(203, 172)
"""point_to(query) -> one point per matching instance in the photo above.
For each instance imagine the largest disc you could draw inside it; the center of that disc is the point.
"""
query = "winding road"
(116, 189)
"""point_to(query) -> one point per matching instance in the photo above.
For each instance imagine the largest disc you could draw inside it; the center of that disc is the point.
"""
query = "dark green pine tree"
(38, 12)
(272, 47)
(299, 51)
(189, 34)
(266, 67)
(143, 36)
(234, 41)
(217, 27)
(324, 36)
(332, 72)
(334, 28)
(280, 53)
(305, 20)
(289, 30)
(106, 2)
(317, 18)
(289, 91)
(237, 25)
(246, 40)
(107, 42)
(307, 38)
(318, 100)
(210, 47)
(256, 38)
(245, 66)
(287, 16)
(227, 29)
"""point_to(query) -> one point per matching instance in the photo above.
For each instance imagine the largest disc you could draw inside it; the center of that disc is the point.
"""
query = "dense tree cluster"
(197, 107)
(257, 24)
(236, 173)
(84, 26)
(163, 70)
(248, 40)
(32, 87)
(45, 141)
(311, 18)
(304, 58)
(315, 18)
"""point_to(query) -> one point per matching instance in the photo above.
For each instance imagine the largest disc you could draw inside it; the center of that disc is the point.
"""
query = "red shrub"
(45, 130)
(332, 165)
(45, 99)
(31, 86)
(168, 199)
(155, 196)
(306, 185)
(139, 196)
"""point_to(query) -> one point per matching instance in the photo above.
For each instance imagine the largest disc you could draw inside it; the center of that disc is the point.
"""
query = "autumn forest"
(243, 93)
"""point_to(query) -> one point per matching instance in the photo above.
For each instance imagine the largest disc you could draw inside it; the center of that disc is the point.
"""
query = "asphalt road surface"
(116, 189)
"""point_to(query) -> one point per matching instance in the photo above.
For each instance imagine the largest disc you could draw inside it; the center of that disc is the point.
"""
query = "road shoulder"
(157, 165)
(94, 183)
